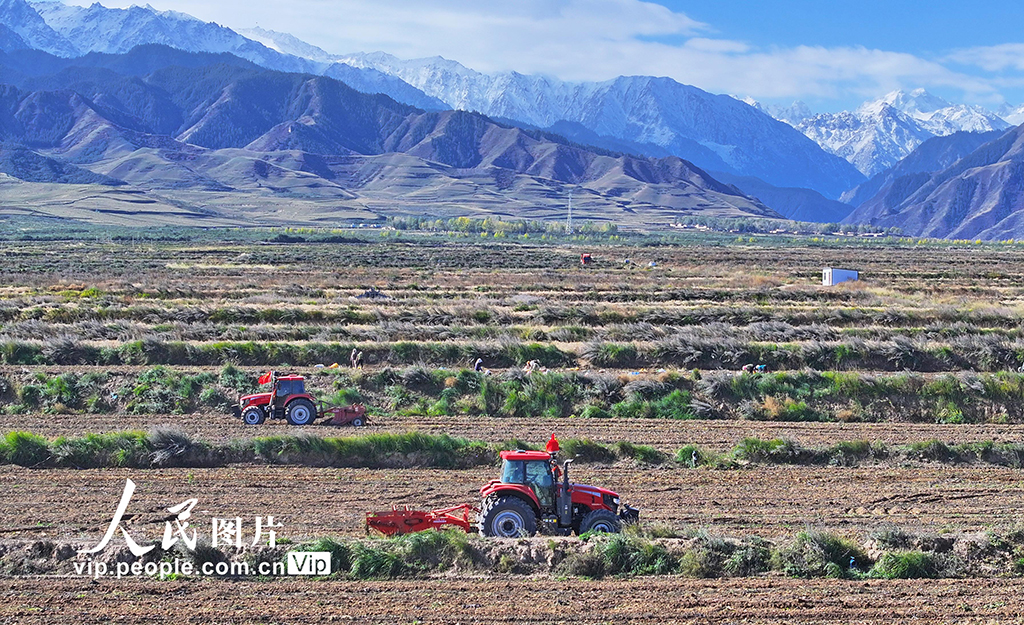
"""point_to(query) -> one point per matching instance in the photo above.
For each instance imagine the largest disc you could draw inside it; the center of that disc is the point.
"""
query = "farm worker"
(552, 446)
(748, 368)
(352, 358)
(478, 364)
(359, 360)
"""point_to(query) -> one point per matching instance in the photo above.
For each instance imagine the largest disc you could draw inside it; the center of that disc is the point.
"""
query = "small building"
(830, 276)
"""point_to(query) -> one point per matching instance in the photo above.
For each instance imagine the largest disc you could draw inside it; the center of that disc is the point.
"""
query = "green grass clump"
(822, 554)
(374, 450)
(641, 453)
(586, 450)
(24, 449)
(906, 565)
(693, 456)
(931, 450)
(411, 554)
(341, 553)
(781, 451)
(626, 554)
(117, 449)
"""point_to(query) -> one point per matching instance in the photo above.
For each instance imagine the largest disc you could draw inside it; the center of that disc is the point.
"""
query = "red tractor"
(528, 497)
(289, 400)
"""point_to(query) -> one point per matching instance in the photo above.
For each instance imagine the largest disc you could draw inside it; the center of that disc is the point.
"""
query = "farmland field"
(893, 403)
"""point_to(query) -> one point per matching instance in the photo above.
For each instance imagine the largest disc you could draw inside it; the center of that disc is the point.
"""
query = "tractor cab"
(287, 386)
(532, 469)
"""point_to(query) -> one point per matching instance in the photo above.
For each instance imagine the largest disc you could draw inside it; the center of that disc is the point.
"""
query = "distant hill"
(792, 203)
(177, 122)
(933, 155)
(980, 195)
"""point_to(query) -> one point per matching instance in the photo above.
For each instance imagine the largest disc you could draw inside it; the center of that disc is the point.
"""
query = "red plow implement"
(405, 521)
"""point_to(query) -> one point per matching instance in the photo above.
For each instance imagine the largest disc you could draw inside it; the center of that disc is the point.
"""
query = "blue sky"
(923, 28)
(832, 55)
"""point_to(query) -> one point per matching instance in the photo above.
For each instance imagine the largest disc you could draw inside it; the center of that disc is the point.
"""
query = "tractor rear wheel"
(603, 521)
(254, 415)
(507, 517)
(358, 422)
(301, 412)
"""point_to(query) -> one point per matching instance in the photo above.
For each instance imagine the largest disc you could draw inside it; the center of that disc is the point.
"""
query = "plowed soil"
(768, 501)
(660, 600)
(664, 434)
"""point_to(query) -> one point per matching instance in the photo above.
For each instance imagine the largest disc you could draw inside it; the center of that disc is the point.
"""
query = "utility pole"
(568, 220)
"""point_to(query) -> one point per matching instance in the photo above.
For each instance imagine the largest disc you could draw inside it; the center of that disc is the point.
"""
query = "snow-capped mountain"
(32, 29)
(1014, 116)
(873, 138)
(68, 30)
(793, 114)
(880, 133)
(940, 117)
(98, 29)
(714, 132)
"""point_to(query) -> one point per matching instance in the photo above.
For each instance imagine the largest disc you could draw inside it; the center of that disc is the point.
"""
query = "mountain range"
(714, 132)
(952, 187)
(882, 132)
(237, 119)
(176, 124)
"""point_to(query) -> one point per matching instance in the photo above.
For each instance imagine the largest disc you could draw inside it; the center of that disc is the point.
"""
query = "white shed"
(830, 276)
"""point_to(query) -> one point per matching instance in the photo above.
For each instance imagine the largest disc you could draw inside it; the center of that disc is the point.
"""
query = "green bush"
(821, 554)
(586, 450)
(642, 453)
(25, 449)
(625, 554)
(376, 561)
(118, 449)
(778, 450)
(237, 380)
(341, 553)
(692, 456)
(906, 565)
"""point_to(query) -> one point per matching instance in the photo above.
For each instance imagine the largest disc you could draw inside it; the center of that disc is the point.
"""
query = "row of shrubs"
(546, 314)
(781, 396)
(422, 391)
(887, 553)
(165, 447)
(991, 352)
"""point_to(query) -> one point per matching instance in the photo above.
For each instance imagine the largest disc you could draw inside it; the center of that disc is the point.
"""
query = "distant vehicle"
(586, 259)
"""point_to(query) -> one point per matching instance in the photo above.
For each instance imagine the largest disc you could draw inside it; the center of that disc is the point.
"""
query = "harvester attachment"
(406, 521)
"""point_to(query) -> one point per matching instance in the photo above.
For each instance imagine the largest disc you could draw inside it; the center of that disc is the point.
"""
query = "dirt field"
(119, 312)
(664, 434)
(768, 501)
(661, 600)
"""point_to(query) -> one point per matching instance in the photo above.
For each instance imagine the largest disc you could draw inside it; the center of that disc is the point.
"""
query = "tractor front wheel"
(301, 412)
(254, 415)
(507, 517)
(603, 521)
(358, 422)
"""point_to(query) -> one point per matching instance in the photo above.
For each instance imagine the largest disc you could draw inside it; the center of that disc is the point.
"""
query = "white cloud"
(593, 40)
(1007, 56)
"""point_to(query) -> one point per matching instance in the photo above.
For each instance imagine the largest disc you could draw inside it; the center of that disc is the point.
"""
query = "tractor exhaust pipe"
(565, 497)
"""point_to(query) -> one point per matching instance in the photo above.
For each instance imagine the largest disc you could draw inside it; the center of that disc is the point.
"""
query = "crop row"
(988, 352)
(163, 447)
(887, 553)
(417, 390)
